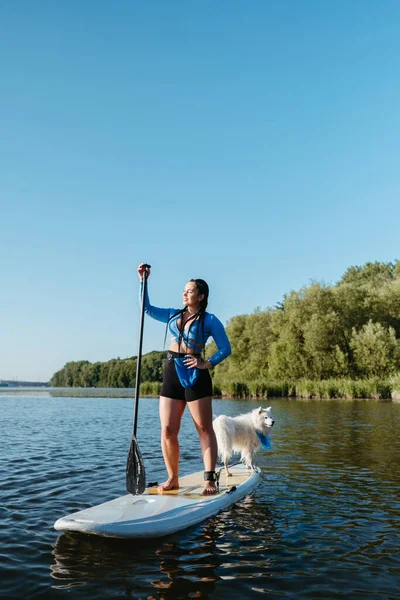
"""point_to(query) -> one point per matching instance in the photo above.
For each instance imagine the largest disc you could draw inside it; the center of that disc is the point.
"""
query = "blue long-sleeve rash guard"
(196, 339)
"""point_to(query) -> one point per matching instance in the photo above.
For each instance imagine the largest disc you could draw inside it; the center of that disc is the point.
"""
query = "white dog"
(245, 434)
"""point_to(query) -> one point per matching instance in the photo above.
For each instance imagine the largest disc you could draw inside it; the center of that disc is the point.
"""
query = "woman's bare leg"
(201, 411)
(171, 412)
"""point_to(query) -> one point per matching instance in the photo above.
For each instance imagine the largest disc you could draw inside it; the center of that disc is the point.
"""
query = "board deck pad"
(154, 514)
(191, 486)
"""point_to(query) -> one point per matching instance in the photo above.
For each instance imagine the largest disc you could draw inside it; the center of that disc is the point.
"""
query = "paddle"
(135, 473)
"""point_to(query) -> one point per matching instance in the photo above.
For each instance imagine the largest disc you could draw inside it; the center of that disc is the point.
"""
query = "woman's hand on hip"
(141, 269)
(196, 361)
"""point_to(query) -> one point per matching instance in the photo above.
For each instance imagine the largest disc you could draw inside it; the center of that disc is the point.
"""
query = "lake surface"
(325, 522)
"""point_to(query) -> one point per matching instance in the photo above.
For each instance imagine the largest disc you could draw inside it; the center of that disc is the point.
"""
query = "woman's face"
(191, 295)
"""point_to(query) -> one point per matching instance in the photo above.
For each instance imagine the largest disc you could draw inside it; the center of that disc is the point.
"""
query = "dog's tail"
(224, 437)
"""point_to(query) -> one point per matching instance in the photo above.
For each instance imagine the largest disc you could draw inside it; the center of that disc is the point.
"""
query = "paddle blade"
(135, 473)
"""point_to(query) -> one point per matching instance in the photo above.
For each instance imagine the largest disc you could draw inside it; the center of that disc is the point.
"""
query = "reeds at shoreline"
(372, 388)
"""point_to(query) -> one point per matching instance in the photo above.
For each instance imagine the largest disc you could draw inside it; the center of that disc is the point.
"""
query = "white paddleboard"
(152, 515)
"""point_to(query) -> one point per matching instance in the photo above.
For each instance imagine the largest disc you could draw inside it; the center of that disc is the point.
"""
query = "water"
(323, 524)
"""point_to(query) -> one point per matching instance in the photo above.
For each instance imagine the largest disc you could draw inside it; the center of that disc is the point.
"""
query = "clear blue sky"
(253, 144)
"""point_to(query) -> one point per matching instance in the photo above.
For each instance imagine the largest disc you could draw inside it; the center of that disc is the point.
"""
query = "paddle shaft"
(139, 356)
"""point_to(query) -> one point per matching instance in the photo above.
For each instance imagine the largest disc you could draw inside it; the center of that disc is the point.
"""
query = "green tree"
(152, 366)
(376, 350)
(287, 359)
(375, 273)
(322, 344)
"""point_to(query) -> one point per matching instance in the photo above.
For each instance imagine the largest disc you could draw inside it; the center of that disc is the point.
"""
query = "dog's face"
(263, 418)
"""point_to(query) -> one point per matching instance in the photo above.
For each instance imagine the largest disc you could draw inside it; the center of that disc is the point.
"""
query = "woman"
(186, 377)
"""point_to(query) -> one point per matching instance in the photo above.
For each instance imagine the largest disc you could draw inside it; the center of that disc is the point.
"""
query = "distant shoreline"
(8, 383)
(69, 392)
(21, 390)
(75, 392)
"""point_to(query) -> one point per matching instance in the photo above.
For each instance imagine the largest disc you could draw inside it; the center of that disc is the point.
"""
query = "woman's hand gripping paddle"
(135, 472)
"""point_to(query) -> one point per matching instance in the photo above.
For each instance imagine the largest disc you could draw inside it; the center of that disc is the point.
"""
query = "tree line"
(350, 329)
(117, 372)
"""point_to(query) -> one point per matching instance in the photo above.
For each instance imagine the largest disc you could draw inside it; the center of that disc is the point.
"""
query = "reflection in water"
(184, 565)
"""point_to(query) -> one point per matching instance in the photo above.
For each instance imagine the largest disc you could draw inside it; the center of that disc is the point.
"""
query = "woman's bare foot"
(209, 488)
(172, 483)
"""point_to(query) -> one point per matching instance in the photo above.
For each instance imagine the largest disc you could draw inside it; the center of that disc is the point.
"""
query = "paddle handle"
(139, 356)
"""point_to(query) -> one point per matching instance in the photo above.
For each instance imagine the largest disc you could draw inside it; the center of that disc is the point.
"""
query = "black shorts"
(172, 387)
